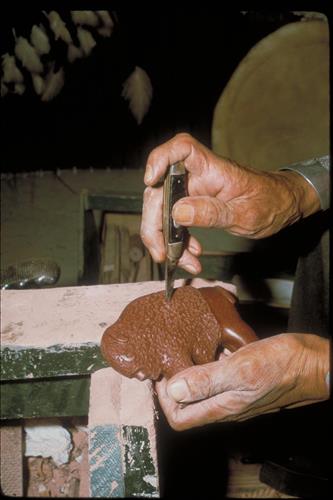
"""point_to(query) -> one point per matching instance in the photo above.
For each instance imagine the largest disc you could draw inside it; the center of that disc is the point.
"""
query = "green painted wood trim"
(45, 398)
(140, 474)
(115, 202)
(54, 361)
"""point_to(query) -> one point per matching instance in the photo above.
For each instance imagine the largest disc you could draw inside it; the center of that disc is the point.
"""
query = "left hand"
(282, 371)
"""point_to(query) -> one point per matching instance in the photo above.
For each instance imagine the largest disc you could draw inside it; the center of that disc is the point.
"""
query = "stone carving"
(154, 337)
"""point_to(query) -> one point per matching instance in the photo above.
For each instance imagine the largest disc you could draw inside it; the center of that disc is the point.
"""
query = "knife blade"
(175, 236)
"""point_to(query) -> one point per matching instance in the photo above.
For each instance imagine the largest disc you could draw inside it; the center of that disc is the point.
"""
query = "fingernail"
(179, 390)
(184, 213)
(149, 173)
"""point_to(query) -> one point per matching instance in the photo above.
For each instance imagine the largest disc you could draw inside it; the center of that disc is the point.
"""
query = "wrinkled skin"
(278, 372)
(221, 193)
(154, 337)
(283, 371)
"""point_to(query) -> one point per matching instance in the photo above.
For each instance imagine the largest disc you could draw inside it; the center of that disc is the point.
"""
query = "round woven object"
(274, 110)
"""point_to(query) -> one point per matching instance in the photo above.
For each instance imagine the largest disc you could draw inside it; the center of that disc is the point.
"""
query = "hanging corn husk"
(87, 41)
(40, 40)
(28, 56)
(4, 89)
(11, 73)
(73, 53)
(105, 18)
(19, 88)
(38, 83)
(58, 27)
(87, 17)
(54, 82)
(138, 90)
(107, 28)
(105, 31)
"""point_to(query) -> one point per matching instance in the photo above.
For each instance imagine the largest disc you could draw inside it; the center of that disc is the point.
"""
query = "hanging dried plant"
(28, 56)
(74, 53)
(46, 82)
(87, 41)
(138, 90)
(40, 40)
(19, 88)
(38, 83)
(105, 18)
(87, 17)
(11, 73)
(105, 31)
(53, 84)
(58, 27)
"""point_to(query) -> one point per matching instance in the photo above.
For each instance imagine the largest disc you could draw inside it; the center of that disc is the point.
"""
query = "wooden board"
(122, 438)
(11, 459)
(244, 482)
(56, 397)
(50, 334)
(42, 328)
(71, 316)
(124, 257)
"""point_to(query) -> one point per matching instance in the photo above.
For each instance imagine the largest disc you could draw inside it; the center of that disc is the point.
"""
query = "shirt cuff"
(317, 172)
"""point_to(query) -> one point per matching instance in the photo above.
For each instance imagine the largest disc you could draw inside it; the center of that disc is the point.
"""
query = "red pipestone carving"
(154, 337)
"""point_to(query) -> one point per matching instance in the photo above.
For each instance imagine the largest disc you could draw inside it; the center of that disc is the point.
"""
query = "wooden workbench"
(52, 366)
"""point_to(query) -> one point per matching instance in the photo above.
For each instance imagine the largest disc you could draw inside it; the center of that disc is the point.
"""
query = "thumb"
(204, 211)
(197, 382)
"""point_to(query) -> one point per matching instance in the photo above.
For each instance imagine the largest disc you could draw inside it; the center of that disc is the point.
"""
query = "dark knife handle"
(175, 188)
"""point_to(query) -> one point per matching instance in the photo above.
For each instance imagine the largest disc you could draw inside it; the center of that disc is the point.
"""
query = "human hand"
(242, 200)
(282, 371)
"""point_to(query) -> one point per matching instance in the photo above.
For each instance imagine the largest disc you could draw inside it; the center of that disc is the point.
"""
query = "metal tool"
(175, 236)
(34, 273)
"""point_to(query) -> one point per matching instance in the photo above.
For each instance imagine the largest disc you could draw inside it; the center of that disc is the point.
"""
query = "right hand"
(242, 200)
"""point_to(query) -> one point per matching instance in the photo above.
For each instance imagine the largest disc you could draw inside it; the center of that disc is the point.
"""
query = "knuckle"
(201, 386)
(183, 138)
(211, 213)
(183, 135)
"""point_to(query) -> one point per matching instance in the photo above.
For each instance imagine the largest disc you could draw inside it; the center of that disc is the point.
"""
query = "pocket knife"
(175, 236)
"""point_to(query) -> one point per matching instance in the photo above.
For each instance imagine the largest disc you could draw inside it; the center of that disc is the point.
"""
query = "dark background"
(189, 53)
